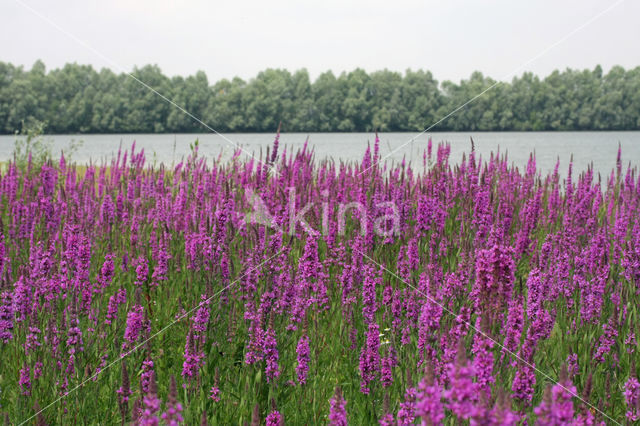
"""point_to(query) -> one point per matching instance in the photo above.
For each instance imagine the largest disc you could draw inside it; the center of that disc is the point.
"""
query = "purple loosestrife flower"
(429, 323)
(556, 407)
(192, 359)
(142, 271)
(276, 141)
(407, 411)
(562, 396)
(25, 380)
(629, 341)
(386, 372)
(22, 299)
(161, 269)
(451, 341)
(32, 340)
(495, 270)
(443, 154)
(214, 394)
(151, 405)
(37, 370)
(513, 328)
(387, 420)
(369, 305)
(107, 271)
(310, 276)
(483, 362)
(607, 340)
(6, 316)
(3, 254)
(201, 319)
(426, 213)
(303, 358)
(338, 411)
(536, 289)
(135, 323)
(271, 355)
(539, 329)
(370, 358)
(632, 397)
(429, 401)
(346, 281)
(74, 336)
(274, 418)
(524, 382)
(461, 394)
(255, 343)
(631, 258)
(115, 300)
(572, 365)
(172, 416)
(147, 374)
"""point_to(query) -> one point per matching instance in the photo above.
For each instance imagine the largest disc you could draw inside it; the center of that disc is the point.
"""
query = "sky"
(450, 38)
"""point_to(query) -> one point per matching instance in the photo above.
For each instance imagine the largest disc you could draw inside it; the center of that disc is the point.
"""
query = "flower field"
(297, 290)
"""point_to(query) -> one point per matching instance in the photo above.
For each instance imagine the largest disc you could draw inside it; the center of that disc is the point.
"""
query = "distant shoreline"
(79, 99)
(327, 132)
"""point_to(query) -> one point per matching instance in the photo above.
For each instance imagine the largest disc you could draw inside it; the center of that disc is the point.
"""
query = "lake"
(597, 148)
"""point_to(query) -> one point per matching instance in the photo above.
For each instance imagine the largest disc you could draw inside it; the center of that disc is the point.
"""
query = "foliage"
(79, 99)
(33, 148)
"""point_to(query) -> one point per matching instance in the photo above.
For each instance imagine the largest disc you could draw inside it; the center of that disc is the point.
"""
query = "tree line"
(80, 99)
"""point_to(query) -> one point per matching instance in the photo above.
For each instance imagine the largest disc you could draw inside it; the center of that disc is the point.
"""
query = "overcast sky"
(451, 38)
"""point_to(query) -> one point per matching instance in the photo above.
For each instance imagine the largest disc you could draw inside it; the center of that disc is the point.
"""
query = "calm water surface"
(597, 148)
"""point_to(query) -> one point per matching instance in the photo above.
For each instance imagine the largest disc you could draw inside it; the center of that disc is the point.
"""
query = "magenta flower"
(386, 372)
(147, 375)
(6, 316)
(523, 383)
(338, 412)
(387, 420)
(303, 353)
(151, 405)
(107, 271)
(607, 340)
(495, 270)
(369, 305)
(172, 416)
(192, 358)
(483, 362)
(370, 358)
(429, 404)
(274, 419)
(114, 302)
(74, 336)
(556, 407)
(25, 380)
(214, 393)
(407, 411)
(135, 324)
(201, 319)
(632, 397)
(461, 394)
(271, 355)
(142, 271)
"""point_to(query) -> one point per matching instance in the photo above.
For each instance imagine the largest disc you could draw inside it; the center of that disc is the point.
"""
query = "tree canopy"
(79, 99)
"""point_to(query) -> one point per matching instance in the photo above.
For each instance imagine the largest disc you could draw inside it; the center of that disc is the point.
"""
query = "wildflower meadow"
(290, 289)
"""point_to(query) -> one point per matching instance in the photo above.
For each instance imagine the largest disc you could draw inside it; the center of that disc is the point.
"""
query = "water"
(597, 148)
